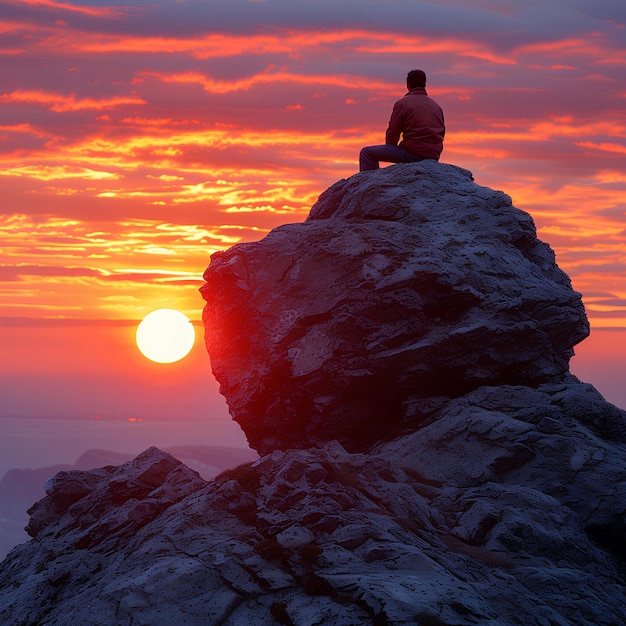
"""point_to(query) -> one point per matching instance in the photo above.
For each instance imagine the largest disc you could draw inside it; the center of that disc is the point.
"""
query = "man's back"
(420, 121)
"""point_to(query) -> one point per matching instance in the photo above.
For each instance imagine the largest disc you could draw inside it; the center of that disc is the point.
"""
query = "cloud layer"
(137, 139)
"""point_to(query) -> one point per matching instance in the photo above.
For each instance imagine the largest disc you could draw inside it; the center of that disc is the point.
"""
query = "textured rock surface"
(501, 500)
(19, 488)
(507, 509)
(404, 284)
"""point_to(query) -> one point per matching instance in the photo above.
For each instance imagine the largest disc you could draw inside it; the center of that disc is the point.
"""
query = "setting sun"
(165, 336)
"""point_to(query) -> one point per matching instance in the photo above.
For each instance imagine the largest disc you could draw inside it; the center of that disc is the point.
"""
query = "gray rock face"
(114, 501)
(403, 285)
(19, 488)
(507, 509)
(500, 500)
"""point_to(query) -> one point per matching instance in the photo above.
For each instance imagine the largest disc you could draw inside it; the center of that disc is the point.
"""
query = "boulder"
(404, 286)
(96, 506)
(480, 482)
(19, 488)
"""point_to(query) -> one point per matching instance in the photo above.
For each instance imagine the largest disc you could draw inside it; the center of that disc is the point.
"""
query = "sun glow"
(165, 336)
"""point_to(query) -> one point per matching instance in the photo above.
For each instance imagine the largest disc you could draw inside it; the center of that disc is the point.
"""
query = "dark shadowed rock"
(403, 285)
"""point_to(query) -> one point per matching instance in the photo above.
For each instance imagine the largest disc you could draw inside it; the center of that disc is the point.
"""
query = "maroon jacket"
(420, 120)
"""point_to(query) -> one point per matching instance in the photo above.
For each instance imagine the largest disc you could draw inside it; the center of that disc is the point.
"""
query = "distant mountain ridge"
(400, 360)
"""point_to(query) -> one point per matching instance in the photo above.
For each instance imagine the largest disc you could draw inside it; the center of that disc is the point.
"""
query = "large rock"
(503, 501)
(404, 285)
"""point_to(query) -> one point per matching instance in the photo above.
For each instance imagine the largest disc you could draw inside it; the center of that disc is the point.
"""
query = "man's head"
(415, 78)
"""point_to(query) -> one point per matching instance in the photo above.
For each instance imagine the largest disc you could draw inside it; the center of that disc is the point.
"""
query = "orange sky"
(137, 139)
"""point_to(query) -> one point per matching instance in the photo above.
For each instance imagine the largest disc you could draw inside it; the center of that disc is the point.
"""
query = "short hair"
(415, 78)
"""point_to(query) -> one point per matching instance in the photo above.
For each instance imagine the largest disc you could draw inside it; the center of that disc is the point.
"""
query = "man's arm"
(394, 129)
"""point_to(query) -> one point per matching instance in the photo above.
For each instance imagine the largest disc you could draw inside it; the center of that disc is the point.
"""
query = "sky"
(137, 139)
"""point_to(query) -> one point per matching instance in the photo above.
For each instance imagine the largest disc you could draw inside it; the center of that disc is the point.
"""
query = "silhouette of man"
(419, 119)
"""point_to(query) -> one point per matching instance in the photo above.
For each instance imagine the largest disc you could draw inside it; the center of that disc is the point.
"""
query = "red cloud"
(60, 103)
(212, 85)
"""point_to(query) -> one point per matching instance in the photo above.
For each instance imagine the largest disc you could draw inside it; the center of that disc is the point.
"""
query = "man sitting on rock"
(420, 121)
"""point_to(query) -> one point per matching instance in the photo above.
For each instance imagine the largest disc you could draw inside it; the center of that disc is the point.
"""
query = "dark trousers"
(371, 155)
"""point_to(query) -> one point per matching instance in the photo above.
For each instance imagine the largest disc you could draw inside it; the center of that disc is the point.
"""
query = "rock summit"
(403, 286)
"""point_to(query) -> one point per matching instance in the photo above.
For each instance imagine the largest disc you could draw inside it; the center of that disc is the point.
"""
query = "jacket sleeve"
(395, 125)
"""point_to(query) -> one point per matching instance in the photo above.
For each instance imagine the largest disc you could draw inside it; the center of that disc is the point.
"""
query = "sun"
(165, 336)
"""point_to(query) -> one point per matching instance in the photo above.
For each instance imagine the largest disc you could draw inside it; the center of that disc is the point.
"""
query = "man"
(420, 121)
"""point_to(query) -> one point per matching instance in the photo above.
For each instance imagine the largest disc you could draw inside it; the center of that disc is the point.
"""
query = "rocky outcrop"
(488, 495)
(19, 488)
(507, 509)
(405, 285)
